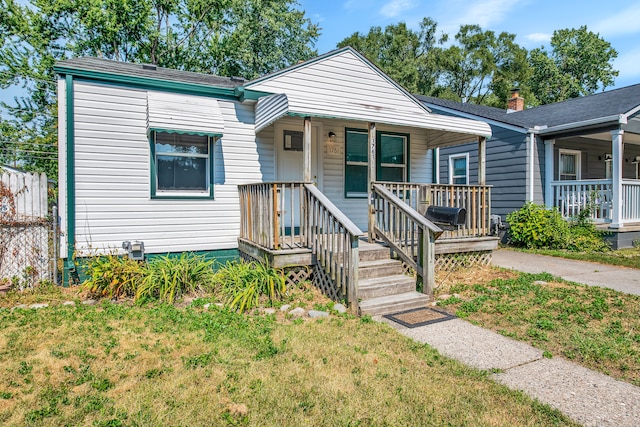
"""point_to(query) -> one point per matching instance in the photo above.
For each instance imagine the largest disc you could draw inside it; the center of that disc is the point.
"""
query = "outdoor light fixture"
(636, 160)
(332, 136)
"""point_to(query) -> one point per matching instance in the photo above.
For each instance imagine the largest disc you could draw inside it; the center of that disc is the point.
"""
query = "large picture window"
(356, 161)
(459, 169)
(569, 165)
(181, 165)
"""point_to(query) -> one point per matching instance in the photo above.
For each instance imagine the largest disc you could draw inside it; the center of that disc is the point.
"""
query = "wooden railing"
(631, 200)
(407, 232)
(476, 199)
(284, 215)
(572, 197)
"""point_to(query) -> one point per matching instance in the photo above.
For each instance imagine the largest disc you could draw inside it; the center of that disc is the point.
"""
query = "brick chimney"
(516, 102)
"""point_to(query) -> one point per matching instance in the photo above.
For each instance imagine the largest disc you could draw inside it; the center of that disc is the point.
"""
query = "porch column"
(482, 160)
(616, 172)
(548, 172)
(306, 150)
(371, 179)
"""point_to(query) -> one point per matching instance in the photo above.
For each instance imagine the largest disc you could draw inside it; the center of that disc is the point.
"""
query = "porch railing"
(407, 232)
(631, 200)
(283, 215)
(476, 199)
(572, 197)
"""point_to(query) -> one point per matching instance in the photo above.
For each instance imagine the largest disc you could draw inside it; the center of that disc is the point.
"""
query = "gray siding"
(506, 168)
(592, 158)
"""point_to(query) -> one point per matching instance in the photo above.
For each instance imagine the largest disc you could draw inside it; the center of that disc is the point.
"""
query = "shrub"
(536, 227)
(114, 276)
(170, 277)
(243, 285)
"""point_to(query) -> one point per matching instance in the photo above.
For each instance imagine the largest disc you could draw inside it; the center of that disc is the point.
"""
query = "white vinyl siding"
(112, 157)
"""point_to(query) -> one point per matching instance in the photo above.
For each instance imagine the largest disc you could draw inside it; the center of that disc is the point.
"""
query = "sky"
(533, 21)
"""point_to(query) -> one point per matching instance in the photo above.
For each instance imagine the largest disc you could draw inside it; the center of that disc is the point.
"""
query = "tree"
(228, 37)
(481, 67)
(580, 63)
(405, 55)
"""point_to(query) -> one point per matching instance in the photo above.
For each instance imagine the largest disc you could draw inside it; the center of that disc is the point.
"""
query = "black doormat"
(419, 317)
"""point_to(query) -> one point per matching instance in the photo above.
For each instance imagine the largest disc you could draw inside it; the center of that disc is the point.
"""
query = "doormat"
(419, 317)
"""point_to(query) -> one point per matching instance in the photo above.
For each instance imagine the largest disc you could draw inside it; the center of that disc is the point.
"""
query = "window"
(392, 157)
(608, 166)
(292, 140)
(569, 165)
(181, 165)
(459, 169)
(356, 161)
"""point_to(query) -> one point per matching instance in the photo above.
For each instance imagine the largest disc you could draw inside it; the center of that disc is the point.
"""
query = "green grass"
(124, 365)
(622, 257)
(595, 327)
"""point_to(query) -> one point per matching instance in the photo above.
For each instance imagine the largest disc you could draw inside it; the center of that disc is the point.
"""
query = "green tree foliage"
(579, 63)
(244, 38)
(407, 56)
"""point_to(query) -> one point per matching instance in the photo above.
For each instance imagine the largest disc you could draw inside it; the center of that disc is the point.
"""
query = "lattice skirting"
(452, 262)
(296, 275)
(323, 282)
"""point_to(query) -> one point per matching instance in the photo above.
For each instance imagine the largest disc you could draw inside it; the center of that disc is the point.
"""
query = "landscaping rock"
(206, 306)
(219, 304)
(444, 296)
(89, 302)
(539, 282)
(297, 312)
(340, 308)
(316, 313)
(38, 306)
(69, 303)
(19, 307)
(269, 310)
(285, 307)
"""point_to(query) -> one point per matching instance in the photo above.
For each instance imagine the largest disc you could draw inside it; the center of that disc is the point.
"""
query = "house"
(284, 165)
(577, 154)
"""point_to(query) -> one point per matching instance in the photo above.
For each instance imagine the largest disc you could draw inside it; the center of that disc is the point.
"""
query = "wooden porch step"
(379, 268)
(372, 252)
(383, 286)
(393, 303)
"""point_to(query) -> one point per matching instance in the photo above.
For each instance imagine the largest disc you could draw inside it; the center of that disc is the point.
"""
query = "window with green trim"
(356, 163)
(182, 165)
(392, 157)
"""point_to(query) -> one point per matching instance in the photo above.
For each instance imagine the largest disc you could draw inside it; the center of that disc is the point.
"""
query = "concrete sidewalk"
(621, 279)
(588, 397)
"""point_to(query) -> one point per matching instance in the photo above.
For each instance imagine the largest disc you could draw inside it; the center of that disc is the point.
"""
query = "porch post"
(482, 160)
(371, 179)
(548, 172)
(306, 150)
(616, 172)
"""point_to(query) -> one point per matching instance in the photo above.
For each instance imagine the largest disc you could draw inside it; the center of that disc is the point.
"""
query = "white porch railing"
(630, 200)
(572, 197)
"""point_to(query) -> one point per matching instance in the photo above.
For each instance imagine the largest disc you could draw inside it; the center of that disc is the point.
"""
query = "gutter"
(616, 119)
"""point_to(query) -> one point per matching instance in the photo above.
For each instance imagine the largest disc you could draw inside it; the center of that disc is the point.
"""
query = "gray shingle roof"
(603, 104)
(138, 70)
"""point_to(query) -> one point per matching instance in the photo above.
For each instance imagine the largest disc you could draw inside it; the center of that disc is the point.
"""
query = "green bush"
(536, 227)
(243, 285)
(114, 276)
(170, 277)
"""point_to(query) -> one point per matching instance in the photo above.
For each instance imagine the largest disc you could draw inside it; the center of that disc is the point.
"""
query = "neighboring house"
(576, 154)
(158, 155)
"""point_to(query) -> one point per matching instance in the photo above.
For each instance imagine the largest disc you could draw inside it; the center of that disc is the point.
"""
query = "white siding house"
(156, 155)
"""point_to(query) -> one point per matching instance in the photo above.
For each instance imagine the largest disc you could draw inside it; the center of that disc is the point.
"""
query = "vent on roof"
(237, 79)
(149, 67)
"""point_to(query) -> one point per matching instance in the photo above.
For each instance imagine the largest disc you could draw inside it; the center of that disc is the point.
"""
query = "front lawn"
(159, 365)
(595, 327)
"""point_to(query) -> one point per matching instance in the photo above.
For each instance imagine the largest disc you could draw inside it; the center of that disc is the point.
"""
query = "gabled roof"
(624, 101)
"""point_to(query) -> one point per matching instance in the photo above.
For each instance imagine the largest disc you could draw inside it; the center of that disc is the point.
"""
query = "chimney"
(515, 103)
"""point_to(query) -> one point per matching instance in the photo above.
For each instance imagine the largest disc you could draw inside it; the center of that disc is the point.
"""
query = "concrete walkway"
(621, 279)
(586, 396)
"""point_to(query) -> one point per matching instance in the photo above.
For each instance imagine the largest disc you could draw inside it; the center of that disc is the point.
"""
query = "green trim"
(185, 132)
(344, 186)
(379, 147)
(153, 172)
(148, 82)
(244, 94)
(221, 256)
(69, 268)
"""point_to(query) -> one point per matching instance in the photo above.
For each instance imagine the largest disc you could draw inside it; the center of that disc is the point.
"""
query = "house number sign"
(334, 149)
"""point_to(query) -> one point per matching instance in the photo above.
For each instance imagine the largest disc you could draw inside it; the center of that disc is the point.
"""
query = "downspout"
(70, 268)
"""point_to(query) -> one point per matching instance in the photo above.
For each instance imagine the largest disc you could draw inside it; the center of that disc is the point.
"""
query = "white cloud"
(484, 13)
(624, 22)
(395, 7)
(538, 37)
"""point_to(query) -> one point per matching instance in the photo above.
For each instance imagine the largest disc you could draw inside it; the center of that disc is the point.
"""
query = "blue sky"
(533, 21)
